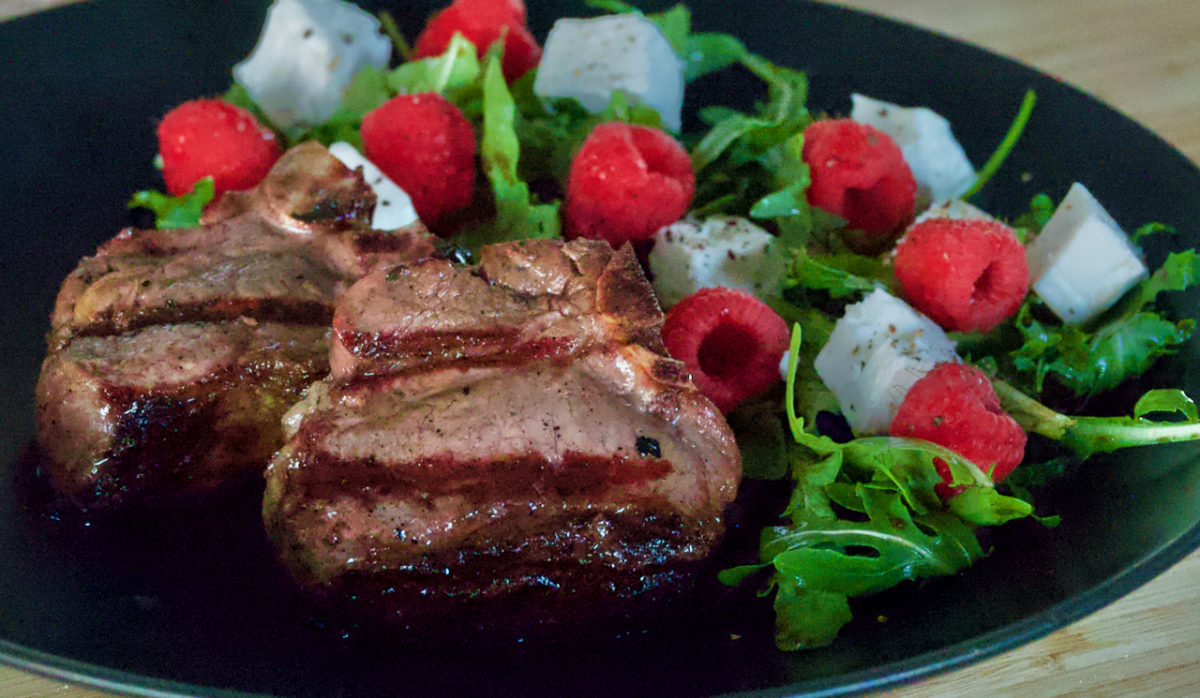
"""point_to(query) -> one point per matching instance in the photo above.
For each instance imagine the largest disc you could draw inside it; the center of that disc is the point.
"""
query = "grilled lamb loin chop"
(173, 353)
(501, 444)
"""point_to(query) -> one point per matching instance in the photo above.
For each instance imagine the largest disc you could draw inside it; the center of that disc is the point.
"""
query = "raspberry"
(481, 22)
(425, 145)
(964, 274)
(626, 182)
(730, 341)
(210, 138)
(954, 405)
(859, 173)
(512, 10)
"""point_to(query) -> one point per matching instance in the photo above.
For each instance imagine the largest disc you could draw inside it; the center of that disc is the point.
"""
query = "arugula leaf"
(1130, 340)
(802, 385)
(760, 439)
(1031, 475)
(1178, 271)
(1151, 229)
(552, 131)
(748, 137)
(1088, 363)
(897, 528)
(516, 216)
(753, 162)
(1166, 401)
(841, 275)
(176, 211)
(1030, 223)
(820, 558)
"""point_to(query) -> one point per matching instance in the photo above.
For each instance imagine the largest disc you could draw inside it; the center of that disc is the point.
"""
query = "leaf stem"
(1010, 141)
(392, 30)
(1032, 415)
(1090, 435)
(795, 424)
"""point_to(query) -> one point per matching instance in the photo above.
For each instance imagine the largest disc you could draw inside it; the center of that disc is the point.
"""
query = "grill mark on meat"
(119, 321)
(173, 439)
(499, 476)
(174, 353)
(481, 347)
(576, 570)
(474, 454)
(378, 242)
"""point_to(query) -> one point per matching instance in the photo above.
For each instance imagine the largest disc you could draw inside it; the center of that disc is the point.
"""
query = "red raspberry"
(481, 22)
(964, 274)
(955, 406)
(513, 10)
(730, 341)
(859, 173)
(626, 182)
(211, 138)
(426, 146)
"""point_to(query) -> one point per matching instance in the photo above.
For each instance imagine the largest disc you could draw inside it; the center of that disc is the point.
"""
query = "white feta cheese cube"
(306, 57)
(937, 160)
(590, 59)
(878, 349)
(393, 207)
(1082, 262)
(720, 251)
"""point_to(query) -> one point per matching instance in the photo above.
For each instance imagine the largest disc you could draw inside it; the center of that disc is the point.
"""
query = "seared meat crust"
(173, 353)
(502, 442)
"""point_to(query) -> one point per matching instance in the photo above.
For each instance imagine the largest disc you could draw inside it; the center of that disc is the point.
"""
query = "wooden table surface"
(1143, 57)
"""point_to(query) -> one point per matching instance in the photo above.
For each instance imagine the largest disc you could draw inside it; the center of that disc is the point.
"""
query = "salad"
(881, 346)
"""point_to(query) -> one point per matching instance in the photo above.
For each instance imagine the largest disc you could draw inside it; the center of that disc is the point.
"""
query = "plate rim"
(934, 662)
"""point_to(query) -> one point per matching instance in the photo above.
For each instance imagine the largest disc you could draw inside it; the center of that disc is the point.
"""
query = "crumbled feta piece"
(878, 349)
(720, 251)
(393, 207)
(590, 59)
(306, 57)
(936, 158)
(1082, 262)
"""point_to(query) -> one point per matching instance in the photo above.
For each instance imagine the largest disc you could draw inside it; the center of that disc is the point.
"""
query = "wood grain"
(1143, 58)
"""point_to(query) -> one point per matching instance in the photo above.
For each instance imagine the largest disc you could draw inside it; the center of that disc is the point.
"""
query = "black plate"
(190, 602)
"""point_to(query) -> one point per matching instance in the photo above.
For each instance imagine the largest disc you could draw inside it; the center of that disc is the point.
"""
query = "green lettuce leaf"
(456, 74)
(517, 216)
